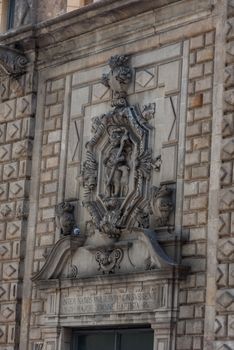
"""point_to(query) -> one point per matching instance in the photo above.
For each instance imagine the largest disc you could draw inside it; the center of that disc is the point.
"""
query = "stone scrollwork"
(90, 171)
(119, 162)
(119, 153)
(12, 62)
(109, 259)
(161, 204)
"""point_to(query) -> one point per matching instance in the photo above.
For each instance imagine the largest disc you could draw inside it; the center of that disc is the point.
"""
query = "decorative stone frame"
(158, 312)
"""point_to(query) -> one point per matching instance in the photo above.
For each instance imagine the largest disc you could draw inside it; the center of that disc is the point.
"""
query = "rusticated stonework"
(17, 108)
(225, 252)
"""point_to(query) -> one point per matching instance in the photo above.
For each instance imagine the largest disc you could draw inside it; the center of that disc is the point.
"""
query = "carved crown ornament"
(12, 62)
(119, 162)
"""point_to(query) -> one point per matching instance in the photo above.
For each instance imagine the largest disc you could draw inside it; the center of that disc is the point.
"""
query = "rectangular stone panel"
(89, 75)
(138, 301)
(157, 55)
(7, 111)
(168, 168)
(75, 141)
(169, 76)
(24, 106)
(80, 97)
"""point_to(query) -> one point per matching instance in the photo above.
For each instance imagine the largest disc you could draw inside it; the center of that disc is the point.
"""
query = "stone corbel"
(12, 62)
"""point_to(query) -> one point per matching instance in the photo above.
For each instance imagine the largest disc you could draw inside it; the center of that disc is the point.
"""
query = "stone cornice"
(75, 32)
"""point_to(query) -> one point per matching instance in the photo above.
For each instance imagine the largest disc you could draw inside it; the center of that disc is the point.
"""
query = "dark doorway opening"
(113, 339)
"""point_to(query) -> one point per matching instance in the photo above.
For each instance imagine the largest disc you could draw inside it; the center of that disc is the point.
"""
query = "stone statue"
(65, 220)
(161, 204)
(22, 13)
(116, 164)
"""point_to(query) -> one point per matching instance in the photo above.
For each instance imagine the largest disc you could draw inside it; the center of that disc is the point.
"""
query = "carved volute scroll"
(118, 166)
(12, 62)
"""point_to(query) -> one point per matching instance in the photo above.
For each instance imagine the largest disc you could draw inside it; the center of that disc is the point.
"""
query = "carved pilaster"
(163, 336)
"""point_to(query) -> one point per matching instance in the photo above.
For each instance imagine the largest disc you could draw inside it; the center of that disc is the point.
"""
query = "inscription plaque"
(115, 303)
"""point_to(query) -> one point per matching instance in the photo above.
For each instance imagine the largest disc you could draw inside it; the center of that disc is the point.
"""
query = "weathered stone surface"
(181, 58)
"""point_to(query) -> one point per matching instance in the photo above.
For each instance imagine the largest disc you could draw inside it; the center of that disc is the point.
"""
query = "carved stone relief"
(119, 161)
(65, 218)
(125, 209)
(161, 204)
(12, 62)
(22, 12)
(109, 259)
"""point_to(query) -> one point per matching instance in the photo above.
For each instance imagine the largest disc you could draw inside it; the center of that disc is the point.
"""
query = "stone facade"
(116, 168)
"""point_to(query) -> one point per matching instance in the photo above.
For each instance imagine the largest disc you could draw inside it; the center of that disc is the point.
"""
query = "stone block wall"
(49, 171)
(224, 319)
(17, 111)
(192, 293)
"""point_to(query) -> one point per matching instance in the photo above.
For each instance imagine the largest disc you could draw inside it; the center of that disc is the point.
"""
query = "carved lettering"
(139, 301)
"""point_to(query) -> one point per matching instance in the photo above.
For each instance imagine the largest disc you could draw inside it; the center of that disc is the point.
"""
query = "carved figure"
(109, 260)
(65, 218)
(117, 169)
(22, 12)
(161, 204)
